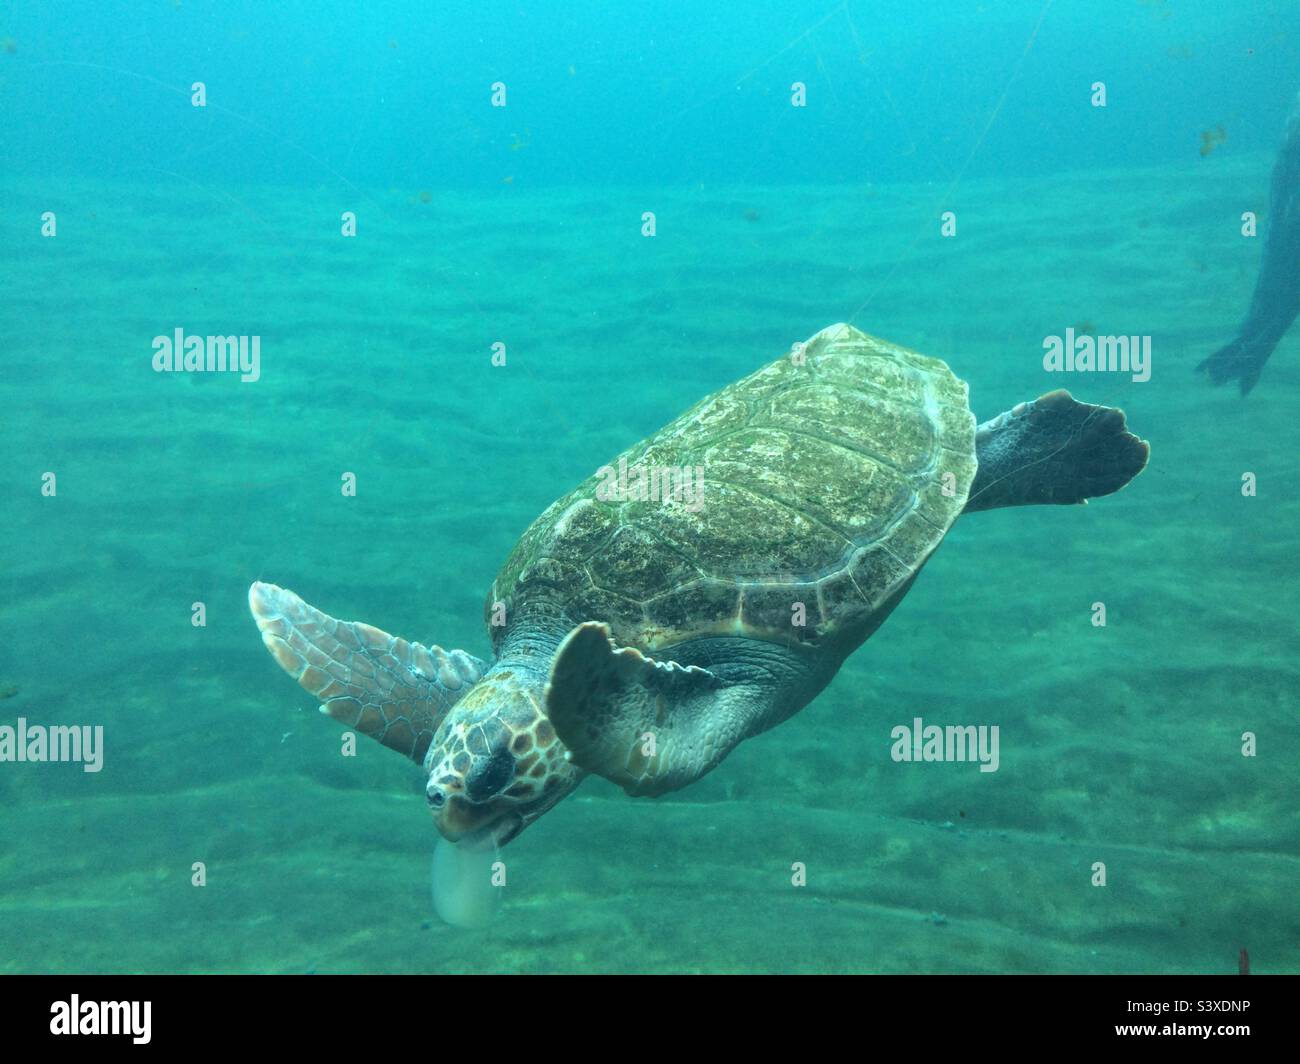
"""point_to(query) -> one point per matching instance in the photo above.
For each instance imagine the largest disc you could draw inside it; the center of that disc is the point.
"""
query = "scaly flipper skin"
(1053, 451)
(611, 706)
(391, 690)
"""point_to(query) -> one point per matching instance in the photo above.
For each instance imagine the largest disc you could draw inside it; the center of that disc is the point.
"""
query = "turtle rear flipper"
(649, 726)
(1053, 451)
(391, 690)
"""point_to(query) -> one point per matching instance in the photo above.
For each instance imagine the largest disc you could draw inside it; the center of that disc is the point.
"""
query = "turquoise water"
(1119, 744)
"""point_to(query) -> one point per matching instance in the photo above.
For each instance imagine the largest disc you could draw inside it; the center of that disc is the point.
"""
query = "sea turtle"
(643, 627)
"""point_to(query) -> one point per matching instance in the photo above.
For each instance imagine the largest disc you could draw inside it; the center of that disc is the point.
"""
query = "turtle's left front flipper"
(649, 726)
(391, 690)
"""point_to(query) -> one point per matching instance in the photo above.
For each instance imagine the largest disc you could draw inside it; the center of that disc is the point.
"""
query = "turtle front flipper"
(1053, 451)
(391, 690)
(649, 726)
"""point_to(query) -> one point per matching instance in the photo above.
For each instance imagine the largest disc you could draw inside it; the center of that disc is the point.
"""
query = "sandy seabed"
(1119, 744)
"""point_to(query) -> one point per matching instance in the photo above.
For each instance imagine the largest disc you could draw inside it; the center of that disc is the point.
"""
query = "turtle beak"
(459, 820)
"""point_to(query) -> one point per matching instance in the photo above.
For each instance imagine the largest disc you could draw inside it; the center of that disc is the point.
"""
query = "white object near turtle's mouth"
(464, 894)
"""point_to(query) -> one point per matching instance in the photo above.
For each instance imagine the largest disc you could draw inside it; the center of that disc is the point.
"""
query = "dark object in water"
(1277, 289)
(1243, 962)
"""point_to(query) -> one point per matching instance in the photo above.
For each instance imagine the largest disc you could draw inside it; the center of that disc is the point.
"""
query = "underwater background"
(523, 224)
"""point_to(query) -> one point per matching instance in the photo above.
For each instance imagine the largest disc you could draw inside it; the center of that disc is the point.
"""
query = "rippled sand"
(1118, 744)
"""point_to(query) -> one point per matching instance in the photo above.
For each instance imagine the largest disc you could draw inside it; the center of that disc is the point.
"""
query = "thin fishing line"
(956, 181)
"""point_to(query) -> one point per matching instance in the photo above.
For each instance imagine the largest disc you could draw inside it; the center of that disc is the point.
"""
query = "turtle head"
(495, 764)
